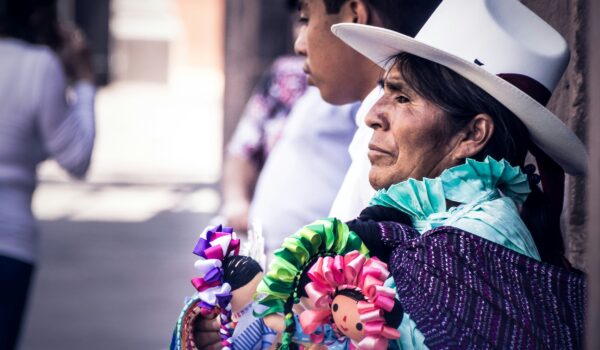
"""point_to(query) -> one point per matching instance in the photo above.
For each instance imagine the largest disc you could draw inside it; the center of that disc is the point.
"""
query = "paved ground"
(112, 285)
(116, 251)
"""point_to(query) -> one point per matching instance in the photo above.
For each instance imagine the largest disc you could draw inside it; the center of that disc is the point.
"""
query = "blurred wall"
(569, 103)
(256, 31)
(143, 34)
(593, 110)
(204, 26)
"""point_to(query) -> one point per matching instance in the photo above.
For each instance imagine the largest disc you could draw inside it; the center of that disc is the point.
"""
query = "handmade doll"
(226, 284)
(329, 264)
(348, 291)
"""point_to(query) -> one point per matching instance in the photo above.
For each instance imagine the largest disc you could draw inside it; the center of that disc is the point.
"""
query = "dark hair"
(462, 100)
(350, 293)
(34, 21)
(403, 16)
(239, 270)
(392, 318)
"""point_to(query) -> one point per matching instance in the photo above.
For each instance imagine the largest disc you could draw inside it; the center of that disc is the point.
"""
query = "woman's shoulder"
(31, 59)
(20, 48)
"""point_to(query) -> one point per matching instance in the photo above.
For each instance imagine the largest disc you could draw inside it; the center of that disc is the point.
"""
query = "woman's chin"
(377, 182)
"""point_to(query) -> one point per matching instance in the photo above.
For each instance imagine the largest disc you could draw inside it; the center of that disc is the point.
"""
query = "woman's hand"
(206, 332)
(75, 54)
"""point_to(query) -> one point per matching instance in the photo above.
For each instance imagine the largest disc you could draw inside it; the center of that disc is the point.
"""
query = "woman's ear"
(356, 11)
(474, 136)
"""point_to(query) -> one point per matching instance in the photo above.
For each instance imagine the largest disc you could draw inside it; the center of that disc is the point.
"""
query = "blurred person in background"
(258, 130)
(39, 59)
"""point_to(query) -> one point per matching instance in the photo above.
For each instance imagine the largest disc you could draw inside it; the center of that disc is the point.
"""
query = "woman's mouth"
(377, 149)
(377, 152)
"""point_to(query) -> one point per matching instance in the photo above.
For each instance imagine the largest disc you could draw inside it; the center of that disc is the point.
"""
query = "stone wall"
(569, 103)
(593, 110)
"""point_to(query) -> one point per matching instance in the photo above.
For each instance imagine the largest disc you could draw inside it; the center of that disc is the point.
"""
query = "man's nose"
(344, 318)
(300, 43)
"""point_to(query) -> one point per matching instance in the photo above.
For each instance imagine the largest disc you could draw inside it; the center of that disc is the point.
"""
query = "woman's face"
(411, 137)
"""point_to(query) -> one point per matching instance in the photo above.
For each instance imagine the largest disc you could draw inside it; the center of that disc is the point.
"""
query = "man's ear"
(473, 137)
(355, 11)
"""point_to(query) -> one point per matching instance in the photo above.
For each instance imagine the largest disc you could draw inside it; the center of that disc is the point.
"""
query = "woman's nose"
(344, 318)
(377, 118)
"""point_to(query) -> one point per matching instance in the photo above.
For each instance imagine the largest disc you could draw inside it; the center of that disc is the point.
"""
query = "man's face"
(341, 74)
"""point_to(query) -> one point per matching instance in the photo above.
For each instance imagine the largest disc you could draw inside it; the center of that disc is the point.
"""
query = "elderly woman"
(472, 242)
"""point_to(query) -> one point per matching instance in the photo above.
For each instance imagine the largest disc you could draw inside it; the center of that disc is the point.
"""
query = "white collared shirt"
(356, 191)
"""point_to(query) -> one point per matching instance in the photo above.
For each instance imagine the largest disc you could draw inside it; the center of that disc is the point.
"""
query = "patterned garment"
(465, 292)
(254, 335)
(266, 112)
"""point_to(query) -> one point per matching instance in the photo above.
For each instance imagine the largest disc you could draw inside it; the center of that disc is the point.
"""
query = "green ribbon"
(322, 237)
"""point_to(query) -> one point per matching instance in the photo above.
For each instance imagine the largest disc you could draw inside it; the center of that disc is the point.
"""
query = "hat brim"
(546, 130)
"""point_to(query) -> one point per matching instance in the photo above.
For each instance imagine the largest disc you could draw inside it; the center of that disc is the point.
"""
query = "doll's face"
(243, 295)
(345, 316)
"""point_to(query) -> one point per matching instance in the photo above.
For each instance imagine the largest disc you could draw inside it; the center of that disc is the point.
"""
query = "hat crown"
(502, 36)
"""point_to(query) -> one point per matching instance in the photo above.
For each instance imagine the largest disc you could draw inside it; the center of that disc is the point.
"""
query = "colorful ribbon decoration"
(277, 292)
(213, 293)
(213, 247)
(352, 271)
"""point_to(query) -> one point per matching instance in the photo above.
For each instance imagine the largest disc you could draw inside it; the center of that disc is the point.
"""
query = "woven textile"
(465, 292)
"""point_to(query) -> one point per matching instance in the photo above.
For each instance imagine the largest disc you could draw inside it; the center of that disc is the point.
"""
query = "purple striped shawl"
(465, 292)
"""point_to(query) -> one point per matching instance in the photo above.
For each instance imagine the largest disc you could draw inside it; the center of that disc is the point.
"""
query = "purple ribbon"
(201, 246)
(213, 278)
(214, 274)
(205, 250)
(224, 299)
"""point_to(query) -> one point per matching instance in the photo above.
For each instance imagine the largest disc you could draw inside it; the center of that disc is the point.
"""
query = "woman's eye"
(335, 307)
(303, 20)
(402, 99)
(359, 326)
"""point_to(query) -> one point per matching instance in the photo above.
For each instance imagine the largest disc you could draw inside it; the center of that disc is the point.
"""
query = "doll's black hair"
(392, 318)
(240, 270)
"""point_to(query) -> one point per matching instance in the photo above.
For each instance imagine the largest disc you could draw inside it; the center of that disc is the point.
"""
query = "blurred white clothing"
(36, 123)
(305, 169)
(356, 191)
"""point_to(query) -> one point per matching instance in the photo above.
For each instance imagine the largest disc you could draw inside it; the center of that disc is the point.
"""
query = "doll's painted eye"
(359, 326)
(335, 307)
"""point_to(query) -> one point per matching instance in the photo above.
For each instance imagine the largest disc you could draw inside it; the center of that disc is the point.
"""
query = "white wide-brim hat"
(499, 45)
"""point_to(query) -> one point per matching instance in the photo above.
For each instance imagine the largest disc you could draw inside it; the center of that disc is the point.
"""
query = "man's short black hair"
(403, 16)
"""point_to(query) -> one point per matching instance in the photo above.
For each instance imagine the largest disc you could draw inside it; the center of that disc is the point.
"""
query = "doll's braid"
(290, 324)
(226, 327)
